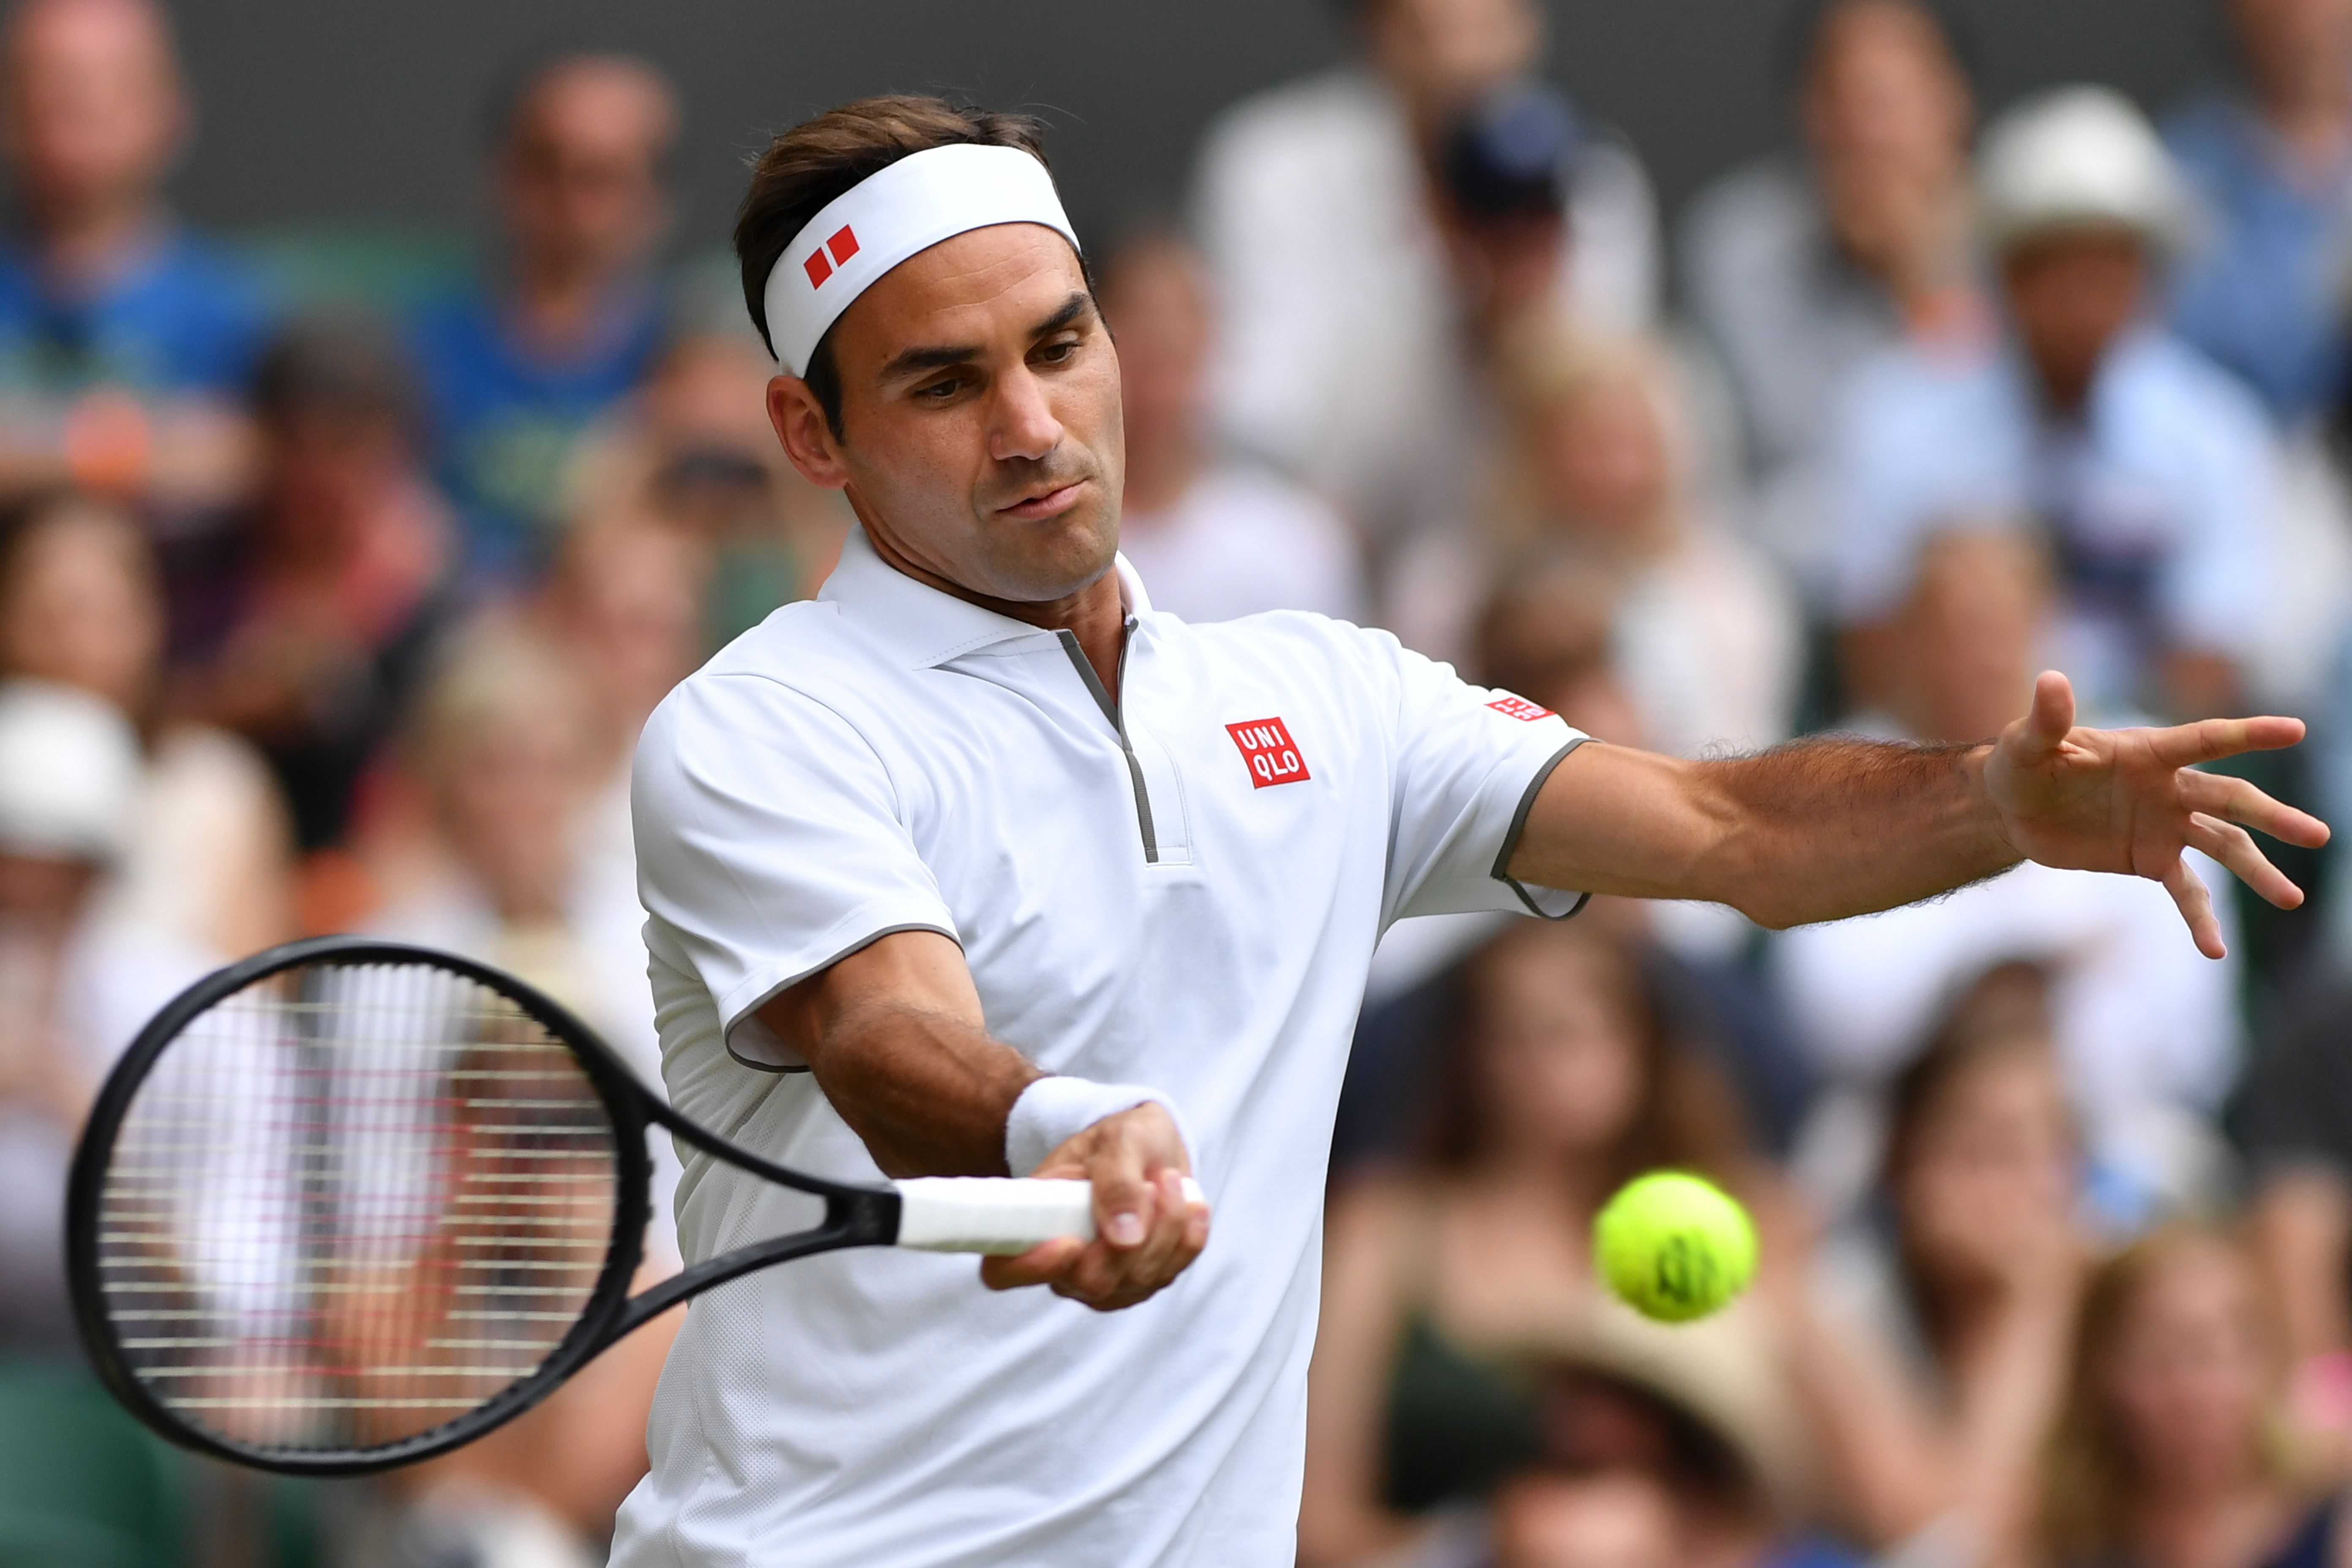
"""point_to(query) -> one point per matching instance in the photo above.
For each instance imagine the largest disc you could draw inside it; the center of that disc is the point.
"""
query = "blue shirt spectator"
(124, 342)
(2154, 499)
(517, 370)
(506, 422)
(2261, 292)
(183, 317)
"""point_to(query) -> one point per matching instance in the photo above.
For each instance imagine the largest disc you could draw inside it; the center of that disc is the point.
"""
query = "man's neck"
(1096, 615)
(87, 244)
(2314, 125)
(561, 311)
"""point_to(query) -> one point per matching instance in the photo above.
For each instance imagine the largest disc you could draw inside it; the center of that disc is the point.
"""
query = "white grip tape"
(998, 1213)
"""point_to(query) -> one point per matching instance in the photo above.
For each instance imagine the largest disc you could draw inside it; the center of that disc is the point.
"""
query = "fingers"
(1108, 1277)
(2049, 721)
(2235, 800)
(1122, 1195)
(2235, 848)
(2188, 890)
(1146, 1233)
(2210, 740)
(1041, 1264)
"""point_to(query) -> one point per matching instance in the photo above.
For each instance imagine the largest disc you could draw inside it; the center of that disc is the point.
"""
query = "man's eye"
(940, 390)
(1058, 353)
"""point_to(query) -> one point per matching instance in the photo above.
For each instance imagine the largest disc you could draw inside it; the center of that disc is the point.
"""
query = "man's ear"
(807, 439)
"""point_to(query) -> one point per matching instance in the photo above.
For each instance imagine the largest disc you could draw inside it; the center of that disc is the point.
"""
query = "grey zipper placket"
(1111, 711)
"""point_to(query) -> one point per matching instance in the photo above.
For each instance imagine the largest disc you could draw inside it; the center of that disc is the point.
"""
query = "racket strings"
(351, 1204)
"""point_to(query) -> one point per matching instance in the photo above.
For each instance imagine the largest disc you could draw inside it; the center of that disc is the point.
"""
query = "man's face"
(1884, 91)
(43, 892)
(94, 110)
(2291, 45)
(1440, 54)
(581, 176)
(982, 443)
(2070, 295)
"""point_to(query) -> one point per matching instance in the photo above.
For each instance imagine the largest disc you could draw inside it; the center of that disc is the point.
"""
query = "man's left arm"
(1823, 829)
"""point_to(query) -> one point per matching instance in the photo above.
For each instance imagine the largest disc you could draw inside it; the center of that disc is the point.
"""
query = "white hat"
(69, 769)
(2076, 158)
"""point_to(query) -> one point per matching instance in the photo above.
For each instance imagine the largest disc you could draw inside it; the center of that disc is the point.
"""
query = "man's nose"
(1022, 427)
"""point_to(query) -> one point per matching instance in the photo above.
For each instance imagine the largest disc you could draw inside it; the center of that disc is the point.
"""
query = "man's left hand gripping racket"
(350, 1203)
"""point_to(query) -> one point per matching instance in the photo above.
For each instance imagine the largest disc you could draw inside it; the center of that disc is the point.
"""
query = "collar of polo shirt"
(891, 215)
(920, 624)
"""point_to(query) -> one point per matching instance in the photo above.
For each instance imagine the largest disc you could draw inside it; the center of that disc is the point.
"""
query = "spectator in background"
(1215, 540)
(501, 750)
(1344, 263)
(1560, 1081)
(304, 624)
(75, 987)
(2171, 1449)
(2295, 1121)
(2146, 467)
(1549, 633)
(1798, 270)
(692, 452)
(2148, 1038)
(209, 851)
(1931, 1349)
(1620, 1521)
(516, 372)
(124, 340)
(1598, 462)
(509, 754)
(1707, 638)
(1662, 1446)
(2262, 288)
(624, 613)
(1552, 633)
(2263, 291)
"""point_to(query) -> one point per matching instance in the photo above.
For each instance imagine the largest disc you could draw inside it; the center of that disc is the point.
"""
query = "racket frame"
(855, 1216)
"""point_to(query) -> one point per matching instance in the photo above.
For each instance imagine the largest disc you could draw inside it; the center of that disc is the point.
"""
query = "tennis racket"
(350, 1203)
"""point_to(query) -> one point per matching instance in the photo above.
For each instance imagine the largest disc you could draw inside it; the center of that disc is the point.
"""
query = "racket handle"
(998, 1213)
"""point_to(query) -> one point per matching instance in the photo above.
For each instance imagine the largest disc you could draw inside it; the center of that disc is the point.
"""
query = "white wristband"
(1053, 1111)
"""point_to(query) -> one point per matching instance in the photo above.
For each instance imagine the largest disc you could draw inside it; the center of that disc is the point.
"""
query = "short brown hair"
(819, 159)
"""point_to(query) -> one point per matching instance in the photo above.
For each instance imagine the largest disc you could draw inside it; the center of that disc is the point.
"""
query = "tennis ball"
(1674, 1247)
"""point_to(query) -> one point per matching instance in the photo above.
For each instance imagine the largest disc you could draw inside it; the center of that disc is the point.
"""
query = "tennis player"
(977, 864)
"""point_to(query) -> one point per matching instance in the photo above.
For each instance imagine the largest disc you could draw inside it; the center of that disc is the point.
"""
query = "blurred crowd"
(337, 606)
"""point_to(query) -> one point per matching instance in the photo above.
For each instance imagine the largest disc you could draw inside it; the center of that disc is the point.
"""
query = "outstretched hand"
(2132, 800)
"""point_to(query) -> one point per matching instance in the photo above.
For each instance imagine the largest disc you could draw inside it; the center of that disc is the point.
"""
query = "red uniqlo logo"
(1518, 708)
(1272, 755)
(844, 245)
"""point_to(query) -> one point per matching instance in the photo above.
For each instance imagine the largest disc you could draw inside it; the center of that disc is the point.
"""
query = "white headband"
(917, 201)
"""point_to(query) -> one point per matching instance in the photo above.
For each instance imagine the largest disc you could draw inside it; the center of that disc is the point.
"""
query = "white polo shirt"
(1182, 889)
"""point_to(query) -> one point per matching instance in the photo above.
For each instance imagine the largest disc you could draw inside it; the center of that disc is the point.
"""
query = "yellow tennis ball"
(1674, 1246)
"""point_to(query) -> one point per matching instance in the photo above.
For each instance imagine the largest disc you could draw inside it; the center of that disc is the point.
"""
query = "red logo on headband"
(844, 245)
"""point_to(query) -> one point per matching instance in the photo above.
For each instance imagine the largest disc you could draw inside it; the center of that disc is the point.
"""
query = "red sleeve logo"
(1272, 755)
(1518, 708)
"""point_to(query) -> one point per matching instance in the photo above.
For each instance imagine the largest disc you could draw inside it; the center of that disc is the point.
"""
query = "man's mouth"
(1044, 503)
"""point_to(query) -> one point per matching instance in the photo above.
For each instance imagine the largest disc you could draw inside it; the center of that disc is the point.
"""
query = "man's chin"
(1036, 564)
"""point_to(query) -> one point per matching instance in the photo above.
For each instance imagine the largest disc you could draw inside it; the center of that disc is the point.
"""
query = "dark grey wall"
(334, 112)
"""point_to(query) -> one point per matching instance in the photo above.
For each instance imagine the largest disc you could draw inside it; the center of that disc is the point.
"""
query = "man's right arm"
(895, 1035)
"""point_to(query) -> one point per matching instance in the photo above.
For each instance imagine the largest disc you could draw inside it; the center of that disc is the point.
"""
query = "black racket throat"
(350, 1203)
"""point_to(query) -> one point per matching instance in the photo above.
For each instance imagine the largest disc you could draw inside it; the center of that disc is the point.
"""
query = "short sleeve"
(769, 847)
(1468, 762)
